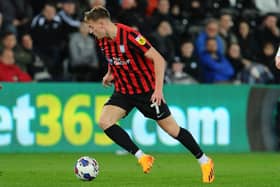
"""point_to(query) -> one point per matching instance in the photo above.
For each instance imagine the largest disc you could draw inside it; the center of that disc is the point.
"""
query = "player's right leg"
(110, 115)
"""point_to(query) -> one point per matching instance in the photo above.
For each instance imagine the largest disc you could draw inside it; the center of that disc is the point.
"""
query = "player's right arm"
(277, 59)
(108, 78)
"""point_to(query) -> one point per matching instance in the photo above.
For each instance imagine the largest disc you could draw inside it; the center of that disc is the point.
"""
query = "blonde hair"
(96, 13)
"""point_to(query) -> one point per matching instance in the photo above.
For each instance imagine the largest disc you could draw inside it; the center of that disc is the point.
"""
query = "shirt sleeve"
(138, 42)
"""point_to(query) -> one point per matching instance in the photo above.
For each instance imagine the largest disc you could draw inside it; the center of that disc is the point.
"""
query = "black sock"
(189, 142)
(120, 137)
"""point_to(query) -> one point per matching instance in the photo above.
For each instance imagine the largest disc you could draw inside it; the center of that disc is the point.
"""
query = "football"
(86, 168)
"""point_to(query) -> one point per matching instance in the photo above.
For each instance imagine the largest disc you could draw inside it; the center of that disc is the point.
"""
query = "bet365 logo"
(49, 120)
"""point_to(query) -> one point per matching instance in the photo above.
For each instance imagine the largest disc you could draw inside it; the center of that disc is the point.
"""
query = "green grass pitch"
(170, 170)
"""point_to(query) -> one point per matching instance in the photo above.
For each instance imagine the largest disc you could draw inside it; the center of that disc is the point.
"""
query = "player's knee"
(105, 123)
(172, 133)
(170, 127)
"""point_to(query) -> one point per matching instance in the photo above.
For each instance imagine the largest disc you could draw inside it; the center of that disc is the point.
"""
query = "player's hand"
(107, 80)
(277, 62)
(157, 97)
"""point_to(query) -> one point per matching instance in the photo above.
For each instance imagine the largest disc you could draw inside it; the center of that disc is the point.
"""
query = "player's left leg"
(170, 126)
(162, 115)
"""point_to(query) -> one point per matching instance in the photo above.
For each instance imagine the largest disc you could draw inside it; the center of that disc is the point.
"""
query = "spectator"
(211, 31)
(247, 41)
(196, 12)
(249, 72)
(180, 20)
(69, 18)
(225, 31)
(214, 65)
(161, 13)
(9, 72)
(16, 14)
(83, 57)
(267, 59)
(269, 31)
(190, 60)
(46, 31)
(131, 14)
(246, 10)
(34, 64)
(162, 40)
(255, 74)
(270, 6)
(235, 58)
(70, 23)
(9, 41)
(9, 15)
(178, 76)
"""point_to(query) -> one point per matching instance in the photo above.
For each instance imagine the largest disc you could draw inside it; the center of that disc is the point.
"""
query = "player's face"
(97, 28)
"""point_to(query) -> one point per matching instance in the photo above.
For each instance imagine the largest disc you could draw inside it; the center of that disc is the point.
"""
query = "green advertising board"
(45, 117)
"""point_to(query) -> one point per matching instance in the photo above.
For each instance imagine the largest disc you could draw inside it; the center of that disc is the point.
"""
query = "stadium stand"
(247, 32)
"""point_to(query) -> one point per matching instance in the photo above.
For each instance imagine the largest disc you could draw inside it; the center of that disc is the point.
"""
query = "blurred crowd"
(203, 41)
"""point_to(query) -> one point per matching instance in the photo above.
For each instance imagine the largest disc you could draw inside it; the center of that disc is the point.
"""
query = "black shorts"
(142, 103)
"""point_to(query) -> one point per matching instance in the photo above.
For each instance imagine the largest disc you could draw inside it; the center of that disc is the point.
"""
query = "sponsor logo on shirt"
(141, 40)
(117, 61)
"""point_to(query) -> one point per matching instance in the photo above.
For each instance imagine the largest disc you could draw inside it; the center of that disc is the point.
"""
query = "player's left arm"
(159, 65)
(137, 42)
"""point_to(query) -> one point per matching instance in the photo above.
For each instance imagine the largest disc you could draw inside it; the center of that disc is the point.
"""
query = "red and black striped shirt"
(133, 72)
